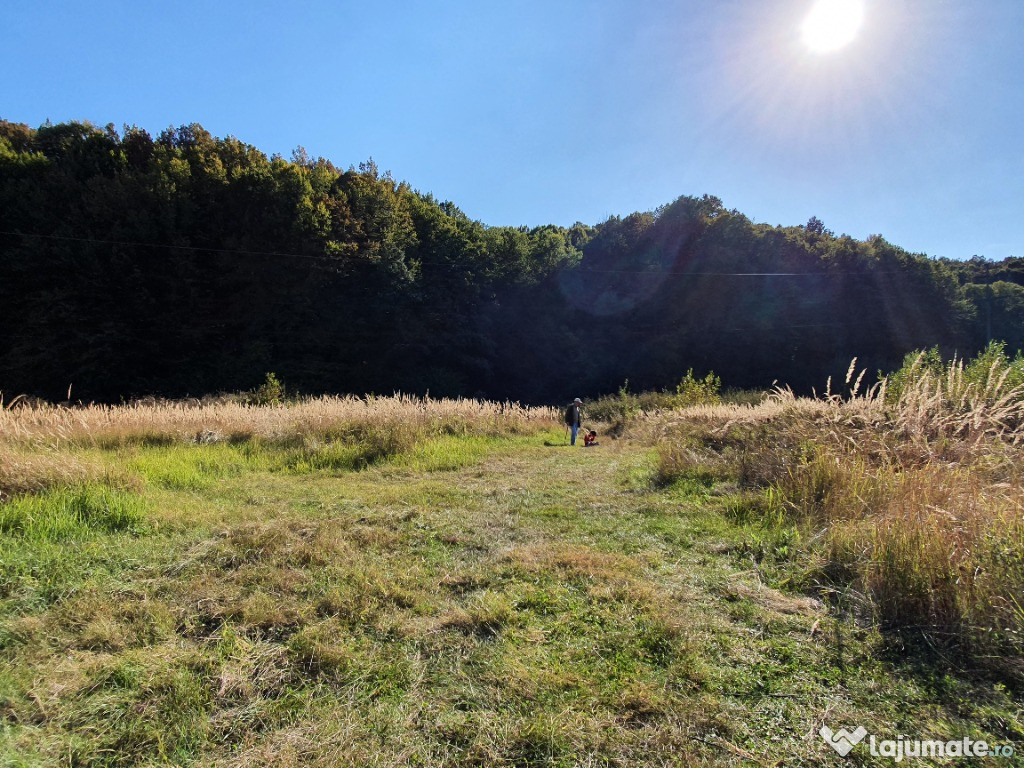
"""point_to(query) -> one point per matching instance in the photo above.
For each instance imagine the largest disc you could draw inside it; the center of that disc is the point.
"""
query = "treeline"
(188, 264)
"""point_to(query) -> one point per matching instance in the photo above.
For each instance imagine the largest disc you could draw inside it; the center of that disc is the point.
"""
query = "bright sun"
(831, 24)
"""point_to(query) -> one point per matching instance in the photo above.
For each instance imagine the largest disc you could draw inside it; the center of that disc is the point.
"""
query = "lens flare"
(832, 24)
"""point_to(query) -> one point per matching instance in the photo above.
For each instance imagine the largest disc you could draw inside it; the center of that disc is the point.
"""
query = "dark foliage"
(187, 264)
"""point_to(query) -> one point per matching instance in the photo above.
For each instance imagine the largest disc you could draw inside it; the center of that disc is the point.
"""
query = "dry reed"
(326, 417)
(914, 497)
(31, 472)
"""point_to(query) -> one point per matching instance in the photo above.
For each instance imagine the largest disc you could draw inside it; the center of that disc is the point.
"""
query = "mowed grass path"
(475, 602)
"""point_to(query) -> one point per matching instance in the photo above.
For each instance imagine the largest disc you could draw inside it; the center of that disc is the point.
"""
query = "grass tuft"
(67, 513)
(910, 495)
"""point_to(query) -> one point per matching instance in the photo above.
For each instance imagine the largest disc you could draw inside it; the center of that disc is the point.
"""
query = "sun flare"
(832, 24)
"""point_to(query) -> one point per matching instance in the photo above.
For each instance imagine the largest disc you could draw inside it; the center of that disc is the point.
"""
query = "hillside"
(187, 264)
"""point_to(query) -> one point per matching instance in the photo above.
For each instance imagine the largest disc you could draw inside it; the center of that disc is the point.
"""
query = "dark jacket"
(573, 415)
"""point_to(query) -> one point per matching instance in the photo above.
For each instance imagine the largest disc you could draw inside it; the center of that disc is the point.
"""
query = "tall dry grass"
(911, 498)
(401, 416)
(24, 472)
(37, 441)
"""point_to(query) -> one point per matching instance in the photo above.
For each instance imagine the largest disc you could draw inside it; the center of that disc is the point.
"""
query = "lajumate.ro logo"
(900, 748)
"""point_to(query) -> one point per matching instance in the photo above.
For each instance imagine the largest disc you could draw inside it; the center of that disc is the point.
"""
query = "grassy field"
(407, 583)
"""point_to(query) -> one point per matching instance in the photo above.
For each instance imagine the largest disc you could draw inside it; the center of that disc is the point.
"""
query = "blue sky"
(530, 112)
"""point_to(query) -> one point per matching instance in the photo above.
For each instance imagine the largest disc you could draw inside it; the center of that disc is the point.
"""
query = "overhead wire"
(133, 244)
(287, 254)
(321, 257)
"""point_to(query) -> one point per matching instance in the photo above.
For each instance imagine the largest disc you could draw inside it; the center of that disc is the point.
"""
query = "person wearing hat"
(574, 418)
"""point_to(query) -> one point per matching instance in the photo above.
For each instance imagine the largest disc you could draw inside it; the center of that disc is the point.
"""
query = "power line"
(322, 257)
(689, 273)
(601, 271)
(164, 245)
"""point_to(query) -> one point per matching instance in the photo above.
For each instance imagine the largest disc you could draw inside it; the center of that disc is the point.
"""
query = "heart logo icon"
(842, 741)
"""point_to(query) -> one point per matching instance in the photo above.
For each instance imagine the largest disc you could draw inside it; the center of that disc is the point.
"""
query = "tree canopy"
(189, 264)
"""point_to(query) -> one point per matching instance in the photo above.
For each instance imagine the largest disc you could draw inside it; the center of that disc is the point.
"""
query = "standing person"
(574, 417)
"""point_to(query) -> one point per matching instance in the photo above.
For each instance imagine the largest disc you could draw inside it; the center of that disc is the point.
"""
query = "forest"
(188, 264)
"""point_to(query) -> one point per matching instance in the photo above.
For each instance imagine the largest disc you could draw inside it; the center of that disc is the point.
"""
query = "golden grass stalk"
(31, 472)
(167, 422)
(917, 498)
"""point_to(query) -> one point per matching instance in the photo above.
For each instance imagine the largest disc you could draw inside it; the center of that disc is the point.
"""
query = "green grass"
(66, 513)
(192, 467)
(448, 453)
(465, 601)
(199, 467)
